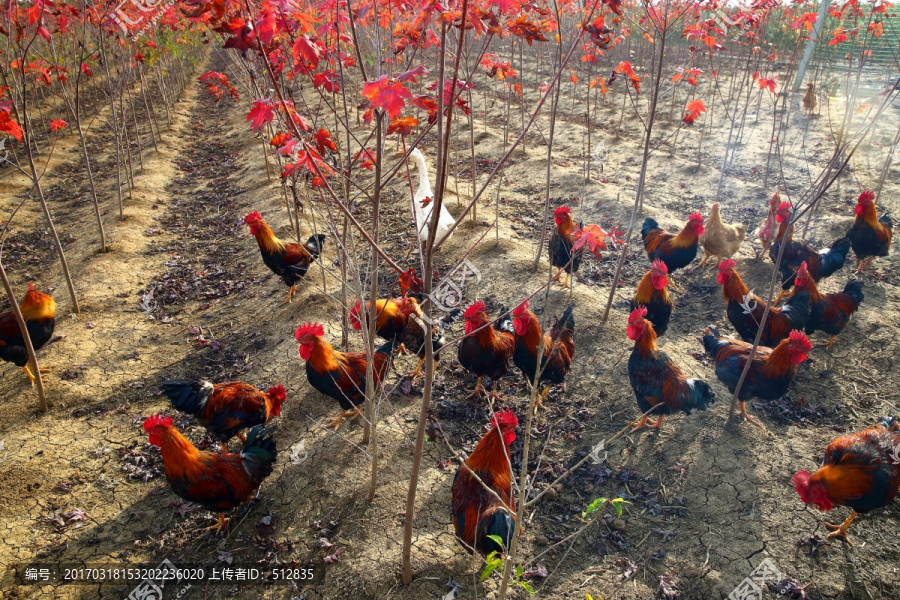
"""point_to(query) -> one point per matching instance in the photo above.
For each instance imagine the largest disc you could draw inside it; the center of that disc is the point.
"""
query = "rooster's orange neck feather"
(36, 306)
(492, 455)
(646, 344)
(644, 292)
(843, 481)
(779, 362)
(267, 239)
(686, 237)
(324, 357)
(179, 455)
(532, 337)
(735, 288)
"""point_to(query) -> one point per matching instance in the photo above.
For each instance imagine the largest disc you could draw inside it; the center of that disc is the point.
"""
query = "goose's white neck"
(424, 182)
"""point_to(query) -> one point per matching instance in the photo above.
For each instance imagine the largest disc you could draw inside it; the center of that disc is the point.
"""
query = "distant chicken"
(339, 375)
(224, 409)
(486, 350)
(656, 380)
(390, 321)
(821, 263)
(558, 351)
(860, 470)
(477, 513)
(768, 227)
(809, 98)
(413, 336)
(562, 242)
(870, 235)
(771, 371)
(218, 482)
(677, 251)
(39, 312)
(288, 260)
(652, 294)
(793, 315)
(830, 312)
(719, 239)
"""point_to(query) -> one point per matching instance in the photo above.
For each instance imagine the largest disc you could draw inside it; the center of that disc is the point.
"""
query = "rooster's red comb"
(800, 337)
(30, 286)
(252, 217)
(505, 418)
(278, 391)
(866, 197)
(309, 329)
(521, 309)
(637, 314)
(696, 216)
(660, 266)
(155, 421)
(727, 265)
(804, 270)
(561, 211)
(474, 309)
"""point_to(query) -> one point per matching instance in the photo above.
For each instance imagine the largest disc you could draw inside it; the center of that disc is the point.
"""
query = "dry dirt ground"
(184, 293)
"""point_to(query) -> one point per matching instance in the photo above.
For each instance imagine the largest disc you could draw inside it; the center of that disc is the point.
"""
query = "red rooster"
(562, 242)
(860, 470)
(676, 251)
(224, 409)
(486, 349)
(771, 371)
(476, 512)
(390, 321)
(339, 375)
(830, 312)
(793, 315)
(870, 236)
(218, 482)
(39, 311)
(287, 260)
(651, 293)
(655, 379)
(559, 346)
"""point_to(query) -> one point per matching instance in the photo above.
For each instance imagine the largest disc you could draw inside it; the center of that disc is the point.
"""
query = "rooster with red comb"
(870, 235)
(860, 470)
(486, 350)
(561, 243)
(218, 482)
(39, 312)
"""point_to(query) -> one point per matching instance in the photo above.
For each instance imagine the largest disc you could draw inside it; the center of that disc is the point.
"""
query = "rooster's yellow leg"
(29, 373)
(418, 368)
(347, 414)
(829, 343)
(747, 417)
(841, 530)
(220, 525)
(642, 424)
(703, 262)
(290, 294)
(478, 391)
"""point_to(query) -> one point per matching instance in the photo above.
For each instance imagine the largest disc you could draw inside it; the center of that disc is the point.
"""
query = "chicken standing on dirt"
(656, 380)
(870, 235)
(340, 375)
(793, 315)
(768, 227)
(677, 251)
(390, 321)
(215, 481)
(476, 512)
(558, 351)
(485, 351)
(39, 312)
(651, 293)
(860, 470)
(224, 409)
(562, 242)
(288, 260)
(719, 239)
(413, 335)
(830, 312)
(771, 371)
(821, 264)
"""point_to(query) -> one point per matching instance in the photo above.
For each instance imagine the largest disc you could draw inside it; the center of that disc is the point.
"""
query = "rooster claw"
(747, 417)
(220, 525)
(347, 414)
(642, 424)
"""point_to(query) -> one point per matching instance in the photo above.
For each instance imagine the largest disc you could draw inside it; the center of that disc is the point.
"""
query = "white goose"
(423, 204)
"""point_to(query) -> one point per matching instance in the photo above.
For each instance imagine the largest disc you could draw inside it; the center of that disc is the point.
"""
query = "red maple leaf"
(261, 114)
(7, 125)
(57, 124)
(526, 29)
(410, 283)
(86, 70)
(306, 51)
(386, 94)
(279, 139)
(694, 108)
(411, 74)
(592, 237)
(326, 79)
(403, 126)
(323, 141)
(767, 83)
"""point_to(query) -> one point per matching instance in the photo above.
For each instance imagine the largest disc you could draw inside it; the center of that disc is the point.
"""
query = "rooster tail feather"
(648, 226)
(386, 348)
(854, 290)
(565, 323)
(835, 258)
(499, 522)
(315, 244)
(797, 309)
(187, 396)
(259, 452)
(712, 342)
(701, 395)
(889, 423)
(887, 221)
